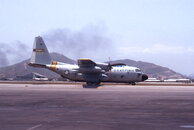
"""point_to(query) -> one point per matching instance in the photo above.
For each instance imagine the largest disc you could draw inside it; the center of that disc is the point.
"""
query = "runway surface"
(70, 107)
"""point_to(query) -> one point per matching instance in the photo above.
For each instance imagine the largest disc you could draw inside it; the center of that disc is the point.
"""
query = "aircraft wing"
(91, 72)
(86, 63)
(87, 66)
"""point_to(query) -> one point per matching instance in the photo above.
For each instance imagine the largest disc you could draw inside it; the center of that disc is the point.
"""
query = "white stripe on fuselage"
(124, 69)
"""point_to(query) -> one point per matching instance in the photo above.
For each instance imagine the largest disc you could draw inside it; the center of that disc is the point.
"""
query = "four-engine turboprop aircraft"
(86, 70)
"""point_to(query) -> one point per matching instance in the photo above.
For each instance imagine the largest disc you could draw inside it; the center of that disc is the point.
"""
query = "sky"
(156, 31)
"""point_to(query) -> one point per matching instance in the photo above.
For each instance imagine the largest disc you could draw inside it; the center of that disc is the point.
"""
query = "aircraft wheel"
(91, 85)
(132, 83)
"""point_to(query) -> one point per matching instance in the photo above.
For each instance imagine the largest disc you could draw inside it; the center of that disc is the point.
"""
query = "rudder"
(40, 54)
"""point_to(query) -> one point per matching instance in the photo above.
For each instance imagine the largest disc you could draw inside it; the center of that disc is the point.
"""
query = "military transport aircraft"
(86, 70)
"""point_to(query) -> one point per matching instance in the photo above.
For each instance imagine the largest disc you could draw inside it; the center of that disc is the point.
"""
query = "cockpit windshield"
(137, 70)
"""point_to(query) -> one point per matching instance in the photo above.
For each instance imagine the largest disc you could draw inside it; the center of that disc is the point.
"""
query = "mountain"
(191, 76)
(22, 68)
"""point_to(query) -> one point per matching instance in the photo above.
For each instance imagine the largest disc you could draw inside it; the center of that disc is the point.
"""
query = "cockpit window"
(137, 70)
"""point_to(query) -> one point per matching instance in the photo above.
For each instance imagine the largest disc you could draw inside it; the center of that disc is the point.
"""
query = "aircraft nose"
(144, 77)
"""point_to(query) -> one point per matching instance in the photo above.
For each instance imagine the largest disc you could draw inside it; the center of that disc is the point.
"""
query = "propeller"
(114, 64)
(109, 65)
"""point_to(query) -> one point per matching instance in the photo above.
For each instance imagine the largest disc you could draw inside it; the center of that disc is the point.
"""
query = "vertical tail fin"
(40, 55)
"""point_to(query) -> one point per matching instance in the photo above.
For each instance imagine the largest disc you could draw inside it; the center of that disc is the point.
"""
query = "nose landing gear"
(132, 83)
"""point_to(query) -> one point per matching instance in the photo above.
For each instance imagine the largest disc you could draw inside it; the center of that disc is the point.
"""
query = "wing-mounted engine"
(91, 71)
(87, 66)
(85, 63)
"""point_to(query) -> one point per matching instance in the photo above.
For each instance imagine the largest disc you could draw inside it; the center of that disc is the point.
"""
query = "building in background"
(32, 76)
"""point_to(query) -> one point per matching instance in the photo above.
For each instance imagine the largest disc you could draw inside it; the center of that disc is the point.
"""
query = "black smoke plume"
(89, 42)
(13, 52)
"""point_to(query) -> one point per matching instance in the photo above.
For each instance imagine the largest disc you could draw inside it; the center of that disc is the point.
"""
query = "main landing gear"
(91, 85)
(132, 83)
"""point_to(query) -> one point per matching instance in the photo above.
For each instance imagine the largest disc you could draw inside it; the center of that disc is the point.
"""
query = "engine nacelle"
(104, 77)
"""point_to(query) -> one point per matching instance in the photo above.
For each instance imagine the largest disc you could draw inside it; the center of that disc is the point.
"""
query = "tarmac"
(109, 107)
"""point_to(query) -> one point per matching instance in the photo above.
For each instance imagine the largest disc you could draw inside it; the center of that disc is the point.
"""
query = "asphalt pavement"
(71, 107)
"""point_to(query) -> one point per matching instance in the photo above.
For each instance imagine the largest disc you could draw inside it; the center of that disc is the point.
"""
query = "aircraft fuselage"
(125, 74)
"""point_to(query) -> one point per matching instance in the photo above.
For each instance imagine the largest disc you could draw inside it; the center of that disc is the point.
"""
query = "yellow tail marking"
(53, 65)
